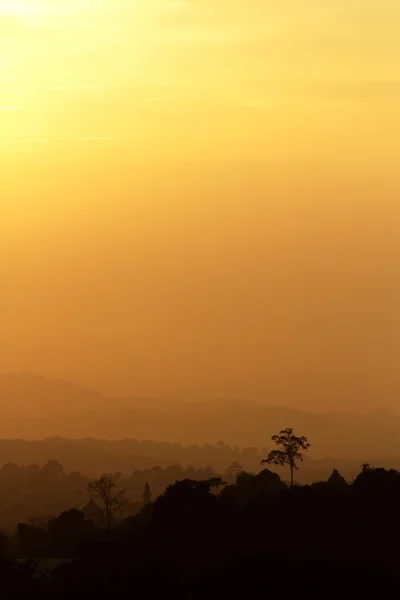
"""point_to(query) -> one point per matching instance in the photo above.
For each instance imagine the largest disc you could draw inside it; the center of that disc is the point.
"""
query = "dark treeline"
(93, 456)
(207, 539)
(36, 494)
(247, 534)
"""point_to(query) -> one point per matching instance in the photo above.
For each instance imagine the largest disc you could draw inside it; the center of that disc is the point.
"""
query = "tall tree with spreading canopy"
(103, 488)
(289, 451)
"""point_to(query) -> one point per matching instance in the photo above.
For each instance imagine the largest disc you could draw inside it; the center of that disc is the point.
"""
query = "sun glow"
(150, 71)
(193, 183)
(13, 7)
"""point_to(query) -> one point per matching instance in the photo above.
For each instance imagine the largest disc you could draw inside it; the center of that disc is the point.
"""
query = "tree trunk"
(108, 517)
(291, 476)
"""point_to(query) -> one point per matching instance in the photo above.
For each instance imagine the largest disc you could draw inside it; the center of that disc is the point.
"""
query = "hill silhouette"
(34, 407)
(26, 395)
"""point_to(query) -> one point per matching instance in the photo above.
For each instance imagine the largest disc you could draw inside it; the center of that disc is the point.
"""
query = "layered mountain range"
(33, 407)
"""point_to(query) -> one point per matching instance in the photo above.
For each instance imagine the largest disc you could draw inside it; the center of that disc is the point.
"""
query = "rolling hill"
(34, 407)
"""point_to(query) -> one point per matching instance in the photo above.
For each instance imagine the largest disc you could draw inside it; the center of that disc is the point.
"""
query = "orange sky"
(200, 198)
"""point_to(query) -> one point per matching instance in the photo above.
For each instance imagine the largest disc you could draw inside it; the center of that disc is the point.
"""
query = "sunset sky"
(200, 197)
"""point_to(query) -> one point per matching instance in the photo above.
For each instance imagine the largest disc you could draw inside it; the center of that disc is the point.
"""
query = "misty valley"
(187, 518)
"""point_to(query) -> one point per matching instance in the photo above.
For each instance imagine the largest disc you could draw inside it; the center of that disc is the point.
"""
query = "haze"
(200, 199)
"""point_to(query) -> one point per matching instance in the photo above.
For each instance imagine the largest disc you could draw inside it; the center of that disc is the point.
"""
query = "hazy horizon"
(201, 200)
(25, 383)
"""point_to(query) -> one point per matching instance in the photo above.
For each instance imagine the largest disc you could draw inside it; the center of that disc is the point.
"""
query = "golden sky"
(200, 197)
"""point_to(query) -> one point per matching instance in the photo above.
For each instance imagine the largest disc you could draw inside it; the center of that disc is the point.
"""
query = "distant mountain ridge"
(26, 395)
(34, 407)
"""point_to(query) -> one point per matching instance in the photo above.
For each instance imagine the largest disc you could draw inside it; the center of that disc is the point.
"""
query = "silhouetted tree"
(187, 495)
(336, 480)
(9, 469)
(69, 530)
(233, 471)
(52, 469)
(378, 481)
(175, 472)
(103, 488)
(289, 452)
(252, 488)
(157, 470)
(147, 495)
